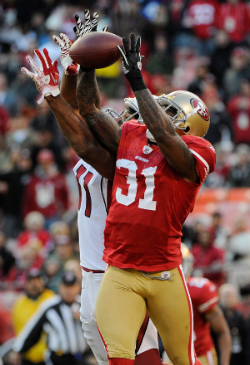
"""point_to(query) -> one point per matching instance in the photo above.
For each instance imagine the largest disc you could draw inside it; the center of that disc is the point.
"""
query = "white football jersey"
(94, 201)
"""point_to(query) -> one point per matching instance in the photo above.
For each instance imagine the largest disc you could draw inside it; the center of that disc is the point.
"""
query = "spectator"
(238, 70)
(12, 186)
(52, 271)
(160, 61)
(239, 108)
(239, 243)
(219, 233)
(47, 135)
(27, 258)
(239, 175)
(234, 18)
(58, 317)
(63, 249)
(7, 260)
(201, 17)
(220, 128)
(4, 119)
(220, 58)
(47, 191)
(208, 259)
(228, 299)
(25, 306)
(34, 223)
(197, 85)
(8, 98)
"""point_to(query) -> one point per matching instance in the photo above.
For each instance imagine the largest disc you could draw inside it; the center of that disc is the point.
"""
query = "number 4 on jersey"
(86, 181)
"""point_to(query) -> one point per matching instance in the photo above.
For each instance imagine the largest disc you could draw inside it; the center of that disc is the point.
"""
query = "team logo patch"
(147, 150)
(202, 111)
(165, 274)
(46, 79)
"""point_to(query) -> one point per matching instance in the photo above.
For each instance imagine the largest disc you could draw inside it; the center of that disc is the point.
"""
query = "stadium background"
(198, 45)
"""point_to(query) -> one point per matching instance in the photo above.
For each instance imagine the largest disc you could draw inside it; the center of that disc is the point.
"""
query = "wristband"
(135, 79)
(85, 69)
(53, 93)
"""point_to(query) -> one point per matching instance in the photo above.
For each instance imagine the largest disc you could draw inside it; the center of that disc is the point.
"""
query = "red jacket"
(47, 195)
(204, 258)
(235, 20)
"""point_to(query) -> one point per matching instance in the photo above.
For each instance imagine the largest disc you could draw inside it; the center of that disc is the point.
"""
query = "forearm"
(224, 345)
(220, 327)
(101, 124)
(80, 137)
(153, 115)
(72, 127)
(87, 92)
(170, 143)
(68, 90)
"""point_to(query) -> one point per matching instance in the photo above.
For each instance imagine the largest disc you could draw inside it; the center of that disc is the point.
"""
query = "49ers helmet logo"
(202, 111)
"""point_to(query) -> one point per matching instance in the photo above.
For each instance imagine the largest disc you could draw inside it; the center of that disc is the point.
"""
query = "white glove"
(69, 66)
(89, 26)
(46, 77)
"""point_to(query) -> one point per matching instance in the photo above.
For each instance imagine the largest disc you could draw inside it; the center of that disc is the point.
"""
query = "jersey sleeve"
(208, 297)
(204, 154)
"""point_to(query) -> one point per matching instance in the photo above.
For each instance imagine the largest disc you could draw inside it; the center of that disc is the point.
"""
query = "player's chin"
(119, 121)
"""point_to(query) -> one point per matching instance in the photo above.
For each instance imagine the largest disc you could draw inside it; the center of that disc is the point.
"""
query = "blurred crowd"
(198, 45)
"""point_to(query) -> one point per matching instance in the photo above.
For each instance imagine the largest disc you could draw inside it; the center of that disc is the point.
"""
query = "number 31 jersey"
(94, 201)
(150, 202)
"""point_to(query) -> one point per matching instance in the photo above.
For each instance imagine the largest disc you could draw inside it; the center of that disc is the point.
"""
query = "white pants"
(90, 287)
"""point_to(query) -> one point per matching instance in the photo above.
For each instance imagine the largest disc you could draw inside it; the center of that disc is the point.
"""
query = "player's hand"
(46, 77)
(131, 57)
(69, 66)
(89, 26)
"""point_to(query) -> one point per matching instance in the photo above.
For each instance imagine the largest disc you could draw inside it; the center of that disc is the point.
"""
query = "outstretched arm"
(170, 143)
(101, 124)
(157, 121)
(74, 129)
(81, 139)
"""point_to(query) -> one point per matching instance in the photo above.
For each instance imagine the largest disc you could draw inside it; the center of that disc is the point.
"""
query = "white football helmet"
(187, 260)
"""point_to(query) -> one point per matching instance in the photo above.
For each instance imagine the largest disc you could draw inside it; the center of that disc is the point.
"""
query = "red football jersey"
(204, 297)
(150, 202)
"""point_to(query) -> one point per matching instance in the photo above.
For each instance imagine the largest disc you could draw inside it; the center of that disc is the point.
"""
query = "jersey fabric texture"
(204, 297)
(150, 202)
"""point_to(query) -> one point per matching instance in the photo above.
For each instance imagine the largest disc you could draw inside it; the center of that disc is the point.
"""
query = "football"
(96, 50)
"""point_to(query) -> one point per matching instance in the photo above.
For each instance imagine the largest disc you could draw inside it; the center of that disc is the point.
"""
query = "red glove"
(46, 77)
(70, 67)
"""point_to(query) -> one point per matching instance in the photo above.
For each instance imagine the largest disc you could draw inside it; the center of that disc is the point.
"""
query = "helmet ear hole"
(187, 130)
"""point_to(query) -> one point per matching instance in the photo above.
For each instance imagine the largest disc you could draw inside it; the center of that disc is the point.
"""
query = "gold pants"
(210, 358)
(123, 299)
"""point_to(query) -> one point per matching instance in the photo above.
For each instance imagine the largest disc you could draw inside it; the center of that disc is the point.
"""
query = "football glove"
(69, 66)
(131, 62)
(131, 58)
(46, 77)
(89, 26)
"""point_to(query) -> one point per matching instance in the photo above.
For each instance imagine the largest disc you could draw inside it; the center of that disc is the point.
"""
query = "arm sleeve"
(208, 298)
(204, 154)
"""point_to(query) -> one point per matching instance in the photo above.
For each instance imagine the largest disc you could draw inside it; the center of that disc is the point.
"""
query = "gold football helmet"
(190, 112)
(187, 260)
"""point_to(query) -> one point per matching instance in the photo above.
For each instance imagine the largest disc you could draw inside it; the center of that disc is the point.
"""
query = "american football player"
(143, 230)
(94, 196)
(160, 167)
(207, 314)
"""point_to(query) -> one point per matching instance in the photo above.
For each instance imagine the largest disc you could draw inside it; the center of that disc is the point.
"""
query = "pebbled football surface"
(96, 50)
